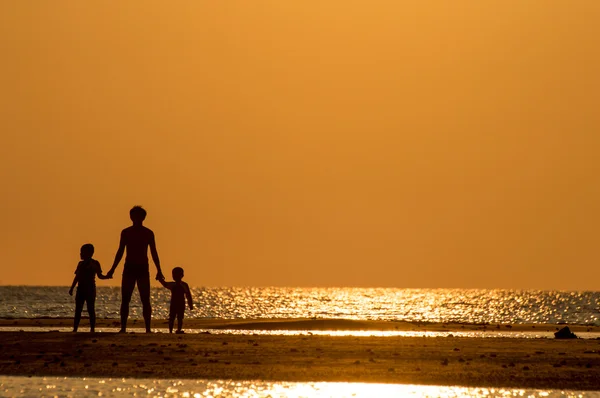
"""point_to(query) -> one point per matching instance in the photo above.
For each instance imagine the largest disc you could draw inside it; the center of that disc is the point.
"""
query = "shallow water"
(422, 305)
(95, 387)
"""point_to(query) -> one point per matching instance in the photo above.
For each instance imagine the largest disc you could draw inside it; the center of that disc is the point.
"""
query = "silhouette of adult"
(136, 240)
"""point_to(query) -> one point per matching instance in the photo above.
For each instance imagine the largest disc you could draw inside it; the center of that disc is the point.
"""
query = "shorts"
(176, 310)
(135, 275)
(86, 294)
(136, 270)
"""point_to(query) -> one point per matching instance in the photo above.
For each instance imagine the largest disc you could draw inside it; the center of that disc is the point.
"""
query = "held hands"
(160, 276)
(109, 274)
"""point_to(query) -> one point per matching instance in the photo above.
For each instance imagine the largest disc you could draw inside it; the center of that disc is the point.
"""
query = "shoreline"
(457, 361)
(299, 324)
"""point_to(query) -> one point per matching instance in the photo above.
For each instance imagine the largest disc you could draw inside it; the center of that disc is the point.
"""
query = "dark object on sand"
(565, 333)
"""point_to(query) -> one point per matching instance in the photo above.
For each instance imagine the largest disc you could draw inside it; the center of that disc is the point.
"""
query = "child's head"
(177, 273)
(87, 251)
(137, 214)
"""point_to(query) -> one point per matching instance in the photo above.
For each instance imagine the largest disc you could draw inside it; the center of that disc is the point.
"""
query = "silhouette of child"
(179, 291)
(85, 279)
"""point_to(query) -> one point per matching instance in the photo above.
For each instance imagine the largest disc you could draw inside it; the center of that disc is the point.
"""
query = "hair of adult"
(137, 212)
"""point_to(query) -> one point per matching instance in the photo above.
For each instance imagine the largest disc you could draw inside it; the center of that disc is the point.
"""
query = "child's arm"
(164, 283)
(73, 285)
(188, 294)
(99, 271)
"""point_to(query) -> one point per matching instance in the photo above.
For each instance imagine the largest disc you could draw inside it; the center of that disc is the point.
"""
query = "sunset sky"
(412, 143)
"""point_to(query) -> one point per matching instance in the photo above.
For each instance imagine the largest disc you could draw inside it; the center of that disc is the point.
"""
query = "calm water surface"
(432, 305)
(98, 387)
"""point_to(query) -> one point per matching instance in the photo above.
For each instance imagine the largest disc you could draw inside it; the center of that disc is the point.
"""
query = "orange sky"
(300, 143)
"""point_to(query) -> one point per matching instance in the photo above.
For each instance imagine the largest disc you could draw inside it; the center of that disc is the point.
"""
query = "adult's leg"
(143, 282)
(127, 286)
(78, 308)
(91, 308)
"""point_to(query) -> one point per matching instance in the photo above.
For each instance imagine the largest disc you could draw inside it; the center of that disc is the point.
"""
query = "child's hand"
(70, 291)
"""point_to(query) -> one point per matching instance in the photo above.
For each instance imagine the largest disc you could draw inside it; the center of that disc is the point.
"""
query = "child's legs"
(180, 319)
(171, 320)
(91, 308)
(178, 311)
(78, 308)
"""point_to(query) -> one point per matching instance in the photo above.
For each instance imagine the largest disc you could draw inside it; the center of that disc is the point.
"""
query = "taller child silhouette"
(136, 240)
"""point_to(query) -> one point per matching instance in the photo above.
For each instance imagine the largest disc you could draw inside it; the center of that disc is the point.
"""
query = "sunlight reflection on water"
(413, 305)
(88, 387)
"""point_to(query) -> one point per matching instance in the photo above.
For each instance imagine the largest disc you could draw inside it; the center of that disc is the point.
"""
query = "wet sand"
(298, 324)
(492, 362)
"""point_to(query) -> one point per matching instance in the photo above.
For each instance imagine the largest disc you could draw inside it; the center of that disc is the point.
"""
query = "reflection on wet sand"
(87, 387)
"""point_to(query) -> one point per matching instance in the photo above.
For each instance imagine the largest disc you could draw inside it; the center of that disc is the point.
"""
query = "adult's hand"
(110, 273)
(71, 292)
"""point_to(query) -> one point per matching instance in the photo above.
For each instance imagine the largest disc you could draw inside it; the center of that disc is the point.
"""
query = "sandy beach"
(494, 362)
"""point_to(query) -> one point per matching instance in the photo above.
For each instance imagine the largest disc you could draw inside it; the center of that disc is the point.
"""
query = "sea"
(467, 306)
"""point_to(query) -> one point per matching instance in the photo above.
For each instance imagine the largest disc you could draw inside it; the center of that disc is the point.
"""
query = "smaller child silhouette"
(179, 291)
(85, 279)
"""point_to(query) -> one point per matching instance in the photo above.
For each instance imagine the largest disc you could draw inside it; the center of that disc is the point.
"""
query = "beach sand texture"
(485, 362)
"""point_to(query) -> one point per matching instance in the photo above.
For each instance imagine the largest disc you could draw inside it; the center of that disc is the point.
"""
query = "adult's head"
(137, 214)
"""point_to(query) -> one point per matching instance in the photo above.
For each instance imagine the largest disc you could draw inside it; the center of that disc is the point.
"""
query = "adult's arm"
(154, 253)
(118, 256)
